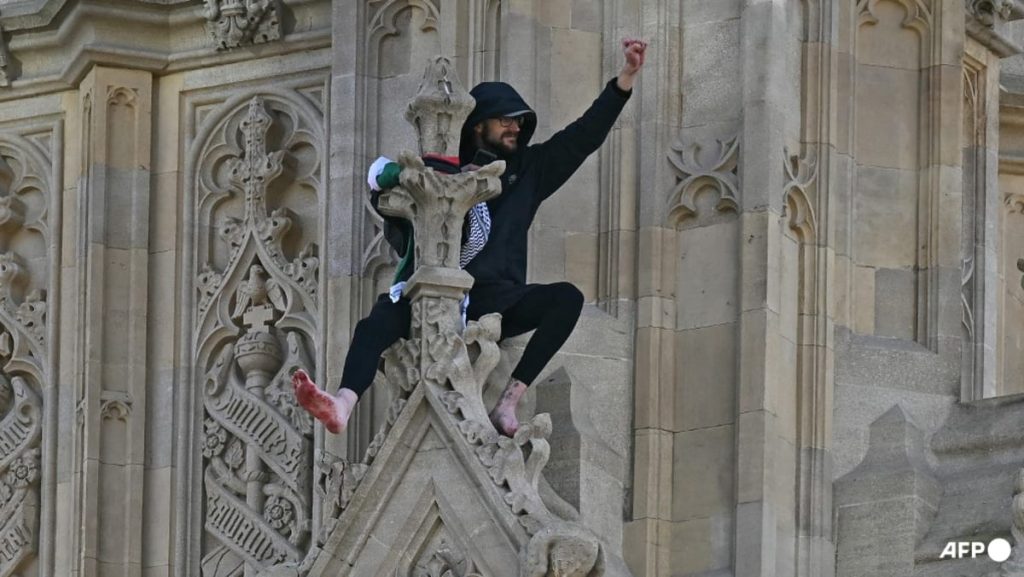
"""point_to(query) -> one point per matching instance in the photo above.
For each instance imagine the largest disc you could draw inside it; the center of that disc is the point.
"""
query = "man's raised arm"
(566, 150)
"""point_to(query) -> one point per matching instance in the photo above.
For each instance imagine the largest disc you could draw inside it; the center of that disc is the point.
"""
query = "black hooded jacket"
(532, 174)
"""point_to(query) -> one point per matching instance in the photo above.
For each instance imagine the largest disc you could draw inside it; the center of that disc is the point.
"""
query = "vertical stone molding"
(257, 176)
(110, 392)
(981, 205)
(485, 35)
(1011, 298)
(804, 323)
(903, 61)
(236, 23)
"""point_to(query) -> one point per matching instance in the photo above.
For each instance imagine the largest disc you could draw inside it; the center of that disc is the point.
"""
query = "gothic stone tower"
(801, 349)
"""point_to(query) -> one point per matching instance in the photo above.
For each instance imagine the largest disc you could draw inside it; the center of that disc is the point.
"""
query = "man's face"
(494, 136)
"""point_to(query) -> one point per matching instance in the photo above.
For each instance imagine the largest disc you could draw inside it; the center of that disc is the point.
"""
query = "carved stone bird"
(252, 292)
(258, 290)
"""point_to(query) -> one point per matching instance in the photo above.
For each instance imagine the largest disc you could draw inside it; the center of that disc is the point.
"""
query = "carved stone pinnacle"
(435, 203)
(440, 108)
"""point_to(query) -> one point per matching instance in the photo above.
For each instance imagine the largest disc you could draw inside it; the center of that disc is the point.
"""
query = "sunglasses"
(506, 121)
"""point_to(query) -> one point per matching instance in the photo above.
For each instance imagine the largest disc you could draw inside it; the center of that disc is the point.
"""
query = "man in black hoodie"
(502, 124)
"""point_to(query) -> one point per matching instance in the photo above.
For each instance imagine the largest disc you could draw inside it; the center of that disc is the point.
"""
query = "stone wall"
(796, 246)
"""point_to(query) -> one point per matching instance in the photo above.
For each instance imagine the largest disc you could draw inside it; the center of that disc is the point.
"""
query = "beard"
(502, 142)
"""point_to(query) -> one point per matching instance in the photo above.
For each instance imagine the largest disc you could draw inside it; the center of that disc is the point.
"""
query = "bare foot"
(503, 416)
(332, 411)
(505, 421)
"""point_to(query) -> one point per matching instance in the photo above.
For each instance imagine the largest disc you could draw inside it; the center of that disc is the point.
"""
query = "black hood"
(495, 99)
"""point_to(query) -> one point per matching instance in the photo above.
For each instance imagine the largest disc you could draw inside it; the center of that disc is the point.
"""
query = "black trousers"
(551, 310)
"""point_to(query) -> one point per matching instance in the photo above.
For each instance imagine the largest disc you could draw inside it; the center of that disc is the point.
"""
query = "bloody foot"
(332, 411)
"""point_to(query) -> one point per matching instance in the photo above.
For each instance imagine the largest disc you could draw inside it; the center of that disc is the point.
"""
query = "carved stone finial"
(440, 108)
(257, 167)
(437, 204)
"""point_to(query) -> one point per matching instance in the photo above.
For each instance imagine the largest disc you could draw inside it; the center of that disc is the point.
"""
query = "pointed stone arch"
(918, 14)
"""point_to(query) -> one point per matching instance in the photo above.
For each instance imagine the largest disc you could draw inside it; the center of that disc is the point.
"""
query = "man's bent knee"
(569, 296)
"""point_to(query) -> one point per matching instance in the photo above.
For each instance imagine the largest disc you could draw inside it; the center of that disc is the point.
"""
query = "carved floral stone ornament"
(235, 23)
(20, 435)
(699, 168)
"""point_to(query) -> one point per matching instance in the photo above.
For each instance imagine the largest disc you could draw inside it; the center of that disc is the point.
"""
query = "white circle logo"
(999, 550)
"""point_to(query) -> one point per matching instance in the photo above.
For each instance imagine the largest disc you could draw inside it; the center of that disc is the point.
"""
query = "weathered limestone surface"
(799, 248)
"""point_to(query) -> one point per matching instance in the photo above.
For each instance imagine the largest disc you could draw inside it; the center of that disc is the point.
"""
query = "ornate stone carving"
(382, 23)
(23, 175)
(25, 185)
(699, 168)
(801, 175)
(234, 23)
(425, 195)
(563, 549)
(336, 483)
(440, 108)
(436, 204)
(1014, 203)
(20, 435)
(116, 408)
(988, 11)
(257, 318)
(445, 561)
(918, 13)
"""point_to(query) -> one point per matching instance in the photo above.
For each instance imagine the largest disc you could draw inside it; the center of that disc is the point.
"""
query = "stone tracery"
(257, 318)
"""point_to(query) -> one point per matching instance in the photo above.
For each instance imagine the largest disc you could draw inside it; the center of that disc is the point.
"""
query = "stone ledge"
(49, 52)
